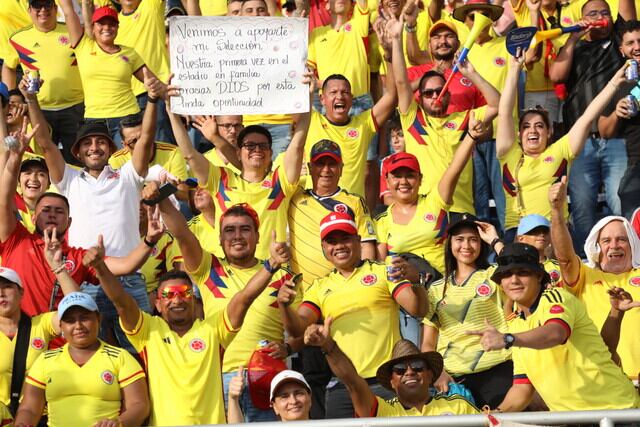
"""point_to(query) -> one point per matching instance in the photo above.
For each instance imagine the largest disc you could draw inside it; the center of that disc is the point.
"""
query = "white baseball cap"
(287, 376)
(10, 275)
(76, 299)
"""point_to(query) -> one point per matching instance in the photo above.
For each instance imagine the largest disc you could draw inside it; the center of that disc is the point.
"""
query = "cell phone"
(165, 191)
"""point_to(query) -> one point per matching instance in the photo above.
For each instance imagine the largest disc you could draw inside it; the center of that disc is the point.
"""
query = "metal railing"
(604, 418)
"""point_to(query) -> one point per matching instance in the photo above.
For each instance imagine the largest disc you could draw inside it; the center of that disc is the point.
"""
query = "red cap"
(402, 160)
(335, 221)
(104, 12)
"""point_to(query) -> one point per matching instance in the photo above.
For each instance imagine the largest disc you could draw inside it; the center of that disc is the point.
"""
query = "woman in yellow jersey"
(86, 382)
(532, 164)
(461, 302)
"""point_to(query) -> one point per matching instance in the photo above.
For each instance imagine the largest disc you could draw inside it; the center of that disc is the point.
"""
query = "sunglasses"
(42, 5)
(509, 260)
(430, 92)
(182, 291)
(401, 368)
(262, 146)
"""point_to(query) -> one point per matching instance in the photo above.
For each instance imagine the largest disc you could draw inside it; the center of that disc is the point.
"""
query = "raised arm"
(449, 181)
(295, 322)
(208, 126)
(73, 21)
(505, 134)
(383, 109)
(490, 93)
(560, 236)
(627, 10)
(393, 30)
(294, 154)
(361, 395)
(87, 15)
(582, 126)
(560, 68)
(410, 13)
(192, 7)
(143, 150)
(8, 185)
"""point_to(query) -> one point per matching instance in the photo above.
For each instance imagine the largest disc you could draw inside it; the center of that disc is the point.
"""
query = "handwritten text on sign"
(233, 65)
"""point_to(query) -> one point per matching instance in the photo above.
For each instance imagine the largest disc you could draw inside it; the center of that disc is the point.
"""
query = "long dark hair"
(451, 263)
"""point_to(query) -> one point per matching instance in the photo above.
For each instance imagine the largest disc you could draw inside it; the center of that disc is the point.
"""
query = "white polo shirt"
(108, 205)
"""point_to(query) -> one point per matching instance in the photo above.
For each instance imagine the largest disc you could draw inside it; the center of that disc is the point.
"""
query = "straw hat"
(406, 350)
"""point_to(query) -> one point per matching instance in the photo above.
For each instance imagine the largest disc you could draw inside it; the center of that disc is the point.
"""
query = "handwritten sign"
(238, 65)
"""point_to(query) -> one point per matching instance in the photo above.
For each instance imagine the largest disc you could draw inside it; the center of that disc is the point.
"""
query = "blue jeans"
(487, 183)
(602, 161)
(113, 125)
(251, 413)
(164, 133)
(135, 286)
(410, 328)
(629, 191)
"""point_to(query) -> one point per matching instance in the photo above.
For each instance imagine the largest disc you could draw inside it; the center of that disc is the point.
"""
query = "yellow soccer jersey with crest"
(50, 53)
(106, 79)
(166, 155)
(214, 158)
(306, 210)
(13, 16)
(526, 180)
(364, 310)
(144, 31)
(269, 198)
(190, 364)
(343, 51)
(577, 375)
(424, 235)
(218, 282)
(438, 405)
(84, 395)
(353, 139)
(208, 236)
(591, 288)
(39, 336)
(434, 140)
(455, 309)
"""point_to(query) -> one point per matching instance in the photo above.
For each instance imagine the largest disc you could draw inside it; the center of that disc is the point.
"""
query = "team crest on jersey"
(125, 58)
(555, 275)
(483, 290)
(556, 309)
(136, 16)
(63, 40)
(347, 28)
(369, 279)
(37, 343)
(499, 61)
(429, 217)
(450, 125)
(107, 377)
(465, 82)
(154, 251)
(340, 207)
(353, 133)
(266, 183)
(566, 20)
(114, 175)
(548, 159)
(197, 345)
(635, 281)
(69, 265)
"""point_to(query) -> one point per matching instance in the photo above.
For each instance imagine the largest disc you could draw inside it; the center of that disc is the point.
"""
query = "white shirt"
(108, 205)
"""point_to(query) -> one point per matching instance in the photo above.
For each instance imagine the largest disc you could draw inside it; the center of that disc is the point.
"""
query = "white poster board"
(239, 65)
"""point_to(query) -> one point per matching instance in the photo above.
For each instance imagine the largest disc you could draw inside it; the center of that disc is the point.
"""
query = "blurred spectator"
(585, 66)
(553, 325)
(397, 144)
(535, 230)
(45, 47)
(229, 127)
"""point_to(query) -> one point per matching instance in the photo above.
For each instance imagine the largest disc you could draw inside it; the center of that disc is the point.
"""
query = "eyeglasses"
(229, 126)
(595, 13)
(417, 365)
(253, 146)
(182, 291)
(430, 92)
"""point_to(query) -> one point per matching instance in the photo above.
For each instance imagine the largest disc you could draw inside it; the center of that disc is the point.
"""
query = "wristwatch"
(509, 339)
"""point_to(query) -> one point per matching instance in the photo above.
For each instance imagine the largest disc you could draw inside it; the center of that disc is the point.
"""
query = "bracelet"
(58, 269)
(410, 29)
(152, 100)
(494, 242)
(289, 349)
(326, 353)
(148, 243)
(475, 139)
(267, 266)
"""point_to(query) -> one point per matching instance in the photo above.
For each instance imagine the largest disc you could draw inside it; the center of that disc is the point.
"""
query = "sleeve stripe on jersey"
(402, 285)
(131, 376)
(138, 325)
(312, 307)
(521, 379)
(562, 323)
(374, 409)
(227, 322)
(36, 381)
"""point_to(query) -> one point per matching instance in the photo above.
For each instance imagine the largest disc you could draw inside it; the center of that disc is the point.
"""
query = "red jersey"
(24, 252)
(464, 94)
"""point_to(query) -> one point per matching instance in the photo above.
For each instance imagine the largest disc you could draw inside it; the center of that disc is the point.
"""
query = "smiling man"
(409, 374)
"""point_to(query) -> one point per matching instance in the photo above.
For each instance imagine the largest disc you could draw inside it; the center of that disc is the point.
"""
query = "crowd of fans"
(404, 248)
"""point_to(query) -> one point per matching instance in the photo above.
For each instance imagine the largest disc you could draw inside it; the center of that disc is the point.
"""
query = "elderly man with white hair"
(613, 252)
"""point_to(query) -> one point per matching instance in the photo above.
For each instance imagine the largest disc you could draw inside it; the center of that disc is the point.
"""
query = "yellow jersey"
(13, 16)
(84, 395)
(144, 31)
(165, 155)
(39, 336)
(353, 139)
(158, 262)
(190, 363)
(552, 267)
(570, 376)
(364, 310)
(267, 119)
(454, 309)
(6, 420)
(526, 180)
(269, 198)
(213, 7)
(425, 233)
(306, 210)
(218, 282)
(434, 140)
(214, 158)
(591, 288)
(343, 51)
(438, 405)
(106, 79)
(24, 214)
(50, 53)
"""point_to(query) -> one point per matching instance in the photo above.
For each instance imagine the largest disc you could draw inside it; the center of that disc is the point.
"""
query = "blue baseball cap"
(76, 299)
(532, 221)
